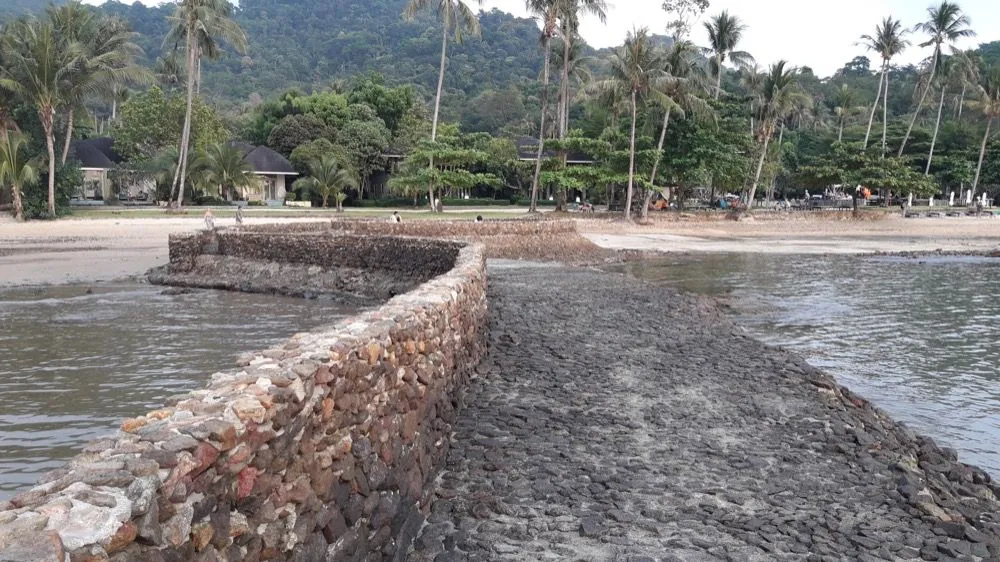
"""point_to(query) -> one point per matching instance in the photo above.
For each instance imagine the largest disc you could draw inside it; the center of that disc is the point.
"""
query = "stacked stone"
(322, 448)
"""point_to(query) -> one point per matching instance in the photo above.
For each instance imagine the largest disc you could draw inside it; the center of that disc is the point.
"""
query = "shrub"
(69, 178)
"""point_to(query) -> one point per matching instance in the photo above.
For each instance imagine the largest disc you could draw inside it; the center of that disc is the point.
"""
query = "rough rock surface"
(613, 420)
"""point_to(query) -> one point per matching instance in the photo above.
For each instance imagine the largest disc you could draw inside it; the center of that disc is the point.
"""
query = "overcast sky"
(819, 34)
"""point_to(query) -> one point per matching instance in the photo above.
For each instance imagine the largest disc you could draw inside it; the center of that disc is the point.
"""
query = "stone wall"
(540, 239)
(304, 262)
(323, 448)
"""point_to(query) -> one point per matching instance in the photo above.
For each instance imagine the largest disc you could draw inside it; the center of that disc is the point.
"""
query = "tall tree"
(16, 171)
(889, 41)
(193, 21)
(946, 24)
(574, 66)
(37, 67)
(456, 17)
(724, 35)
(989, 104)
(779, 95)
(551, 13)
(637, 71)
(682, 79)
(845, 105)
(107, 62)
(965, 75)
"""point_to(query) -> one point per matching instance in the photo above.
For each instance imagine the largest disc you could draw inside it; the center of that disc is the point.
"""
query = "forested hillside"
(310, 43)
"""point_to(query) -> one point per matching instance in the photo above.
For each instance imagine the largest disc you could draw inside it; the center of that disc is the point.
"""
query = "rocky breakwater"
(304, 263)
(523, 239)
(323, 448)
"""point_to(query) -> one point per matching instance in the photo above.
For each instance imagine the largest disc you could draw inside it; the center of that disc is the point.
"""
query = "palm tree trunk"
(718, 79)
(760, 168)
(656, 164)
(541, 127)
(885, 112)
(69, 134)
(878, 96)
(15, 189)
(840, 133)
(440, 89)
(631, 162)
(920, 104)
(937, 127)
(47, 115)
(982, 154)
(197, 85)
(564, 114)
(186, 133)
(961, 100)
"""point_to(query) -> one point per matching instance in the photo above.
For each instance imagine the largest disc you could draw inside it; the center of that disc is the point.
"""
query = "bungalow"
(274, 172)
(101, 181)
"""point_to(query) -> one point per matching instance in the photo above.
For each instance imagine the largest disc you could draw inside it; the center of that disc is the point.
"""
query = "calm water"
(920, 338)
(73, 364)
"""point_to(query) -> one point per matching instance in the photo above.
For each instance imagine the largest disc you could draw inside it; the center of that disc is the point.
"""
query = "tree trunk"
(69, 134)
(920, 104)
(937, 126)
(656, 164)
(718, 79)
(760, 168)
(440, 89)
(541, 127)
(961, 100)
(885, 112)
(430, 198)
(878, 95)
(631, 162)
(325, 197)
(15, 189)
(982, 154)
(197, 84)
(564, 114)
(840, 133)
(186, 133)
(114, 104)
(46, 115)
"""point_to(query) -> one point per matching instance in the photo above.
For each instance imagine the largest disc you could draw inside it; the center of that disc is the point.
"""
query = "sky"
(814, 33)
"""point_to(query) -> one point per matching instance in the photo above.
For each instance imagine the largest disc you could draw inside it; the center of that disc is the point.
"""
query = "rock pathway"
(616, 421)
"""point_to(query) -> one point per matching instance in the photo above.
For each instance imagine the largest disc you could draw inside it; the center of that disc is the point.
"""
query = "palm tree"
(457, 17)
(989, 104)
(683, 78)
(637, 71)
(949, 68)
(37, 69)
(779, 95)
(574, 66)
(15, 170)
(965, 75)
(946, 24)
(888, 41)
(195, 21)
(845, 105)
(724, 34)
(751, 79)
(327, 178)
(169, 72)
(223, 167)
(552, 12)
(107, 61)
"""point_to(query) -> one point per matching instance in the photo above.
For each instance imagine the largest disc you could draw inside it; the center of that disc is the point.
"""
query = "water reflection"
(75, 361)
(918, 337)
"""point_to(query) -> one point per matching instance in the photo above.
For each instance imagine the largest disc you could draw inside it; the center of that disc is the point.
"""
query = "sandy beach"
(94, 250)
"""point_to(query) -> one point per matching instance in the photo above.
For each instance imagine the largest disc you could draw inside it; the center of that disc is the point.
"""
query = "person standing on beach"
(209, 220)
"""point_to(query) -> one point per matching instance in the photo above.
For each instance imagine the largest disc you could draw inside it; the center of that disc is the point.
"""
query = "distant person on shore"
(479, 218)
(239, 215)
(209, 220)
(395, 218)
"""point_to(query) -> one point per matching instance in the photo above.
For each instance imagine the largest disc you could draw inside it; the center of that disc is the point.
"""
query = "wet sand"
(800, 235)
(85, 251)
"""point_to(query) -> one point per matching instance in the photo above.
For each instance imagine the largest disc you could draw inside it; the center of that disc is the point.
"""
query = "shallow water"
(917, 337)
(73, 363)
